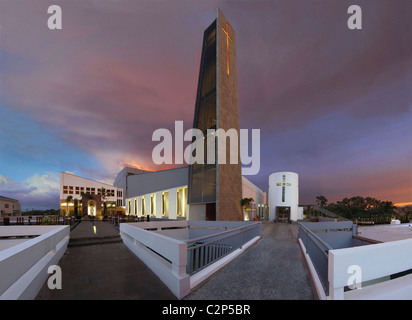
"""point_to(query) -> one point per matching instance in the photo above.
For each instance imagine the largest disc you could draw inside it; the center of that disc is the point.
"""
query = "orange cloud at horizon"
(153, 168)
(403, 204)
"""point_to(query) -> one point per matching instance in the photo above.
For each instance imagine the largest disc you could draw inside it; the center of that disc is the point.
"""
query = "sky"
(332, 104)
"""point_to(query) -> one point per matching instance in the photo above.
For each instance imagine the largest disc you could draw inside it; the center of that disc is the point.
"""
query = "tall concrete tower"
(215, 190)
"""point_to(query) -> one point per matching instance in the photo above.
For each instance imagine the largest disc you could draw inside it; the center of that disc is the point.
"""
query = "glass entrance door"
(283, 214)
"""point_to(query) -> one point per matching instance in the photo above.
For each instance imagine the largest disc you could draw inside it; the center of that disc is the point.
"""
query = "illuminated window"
(165, 203)
(181, 202)
(152, 204)
(143, 206)
(135, 206)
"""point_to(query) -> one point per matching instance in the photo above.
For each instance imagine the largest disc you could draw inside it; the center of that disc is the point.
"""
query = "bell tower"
(215, 189)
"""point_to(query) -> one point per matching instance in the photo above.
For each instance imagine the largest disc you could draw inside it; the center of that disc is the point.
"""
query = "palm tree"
(104, 197)
(245, 204)
(68, 199)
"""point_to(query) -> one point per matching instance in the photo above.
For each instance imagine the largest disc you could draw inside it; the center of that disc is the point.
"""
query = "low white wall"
(173, 273)
(320, 292)
(169, 259)
(376, 261)
(23, 267)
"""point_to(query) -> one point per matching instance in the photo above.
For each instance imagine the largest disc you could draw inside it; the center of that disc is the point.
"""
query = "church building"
(215, 190)
(208, 191)
(82, 196)
(164, 194)
(284, 197)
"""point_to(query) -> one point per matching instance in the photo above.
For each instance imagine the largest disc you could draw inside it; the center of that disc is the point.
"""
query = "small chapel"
(284, 197)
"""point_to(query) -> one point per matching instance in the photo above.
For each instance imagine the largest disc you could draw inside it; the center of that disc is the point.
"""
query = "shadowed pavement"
(272, 269)
(107, 271)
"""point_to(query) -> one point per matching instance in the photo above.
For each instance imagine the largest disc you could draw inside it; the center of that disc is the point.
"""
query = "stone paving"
(387, 232)
(91, 232)
(272, 269)
(107, 271)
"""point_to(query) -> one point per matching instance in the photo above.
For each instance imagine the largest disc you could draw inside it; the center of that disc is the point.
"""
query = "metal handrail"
(211, 242)
(328, 213)
(227, 241)
(250, 226)
(309, 238)
(313, 235)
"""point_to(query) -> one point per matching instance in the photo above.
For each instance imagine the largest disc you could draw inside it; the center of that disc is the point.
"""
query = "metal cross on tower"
(227, 44)
(284, 184)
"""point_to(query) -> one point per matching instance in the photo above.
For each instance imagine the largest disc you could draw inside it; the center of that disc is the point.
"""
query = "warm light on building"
(84, 196)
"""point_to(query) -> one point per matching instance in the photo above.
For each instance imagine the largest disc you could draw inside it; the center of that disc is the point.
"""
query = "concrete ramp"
(273, 269)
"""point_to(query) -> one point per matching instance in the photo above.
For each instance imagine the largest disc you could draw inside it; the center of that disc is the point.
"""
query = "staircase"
(328, 213)
(91, 233)
(93, 240)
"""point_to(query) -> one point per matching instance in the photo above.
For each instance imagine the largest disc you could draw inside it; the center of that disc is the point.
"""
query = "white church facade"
(164, 194)
(284, 197)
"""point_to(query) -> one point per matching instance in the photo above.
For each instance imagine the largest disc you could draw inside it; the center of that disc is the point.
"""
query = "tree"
(321, 201)
(367, 208)
(104, 194)
(76, 207)
(246, 201)
(68, 199)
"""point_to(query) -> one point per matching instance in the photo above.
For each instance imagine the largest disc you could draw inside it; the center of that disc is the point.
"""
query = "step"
(93, 240)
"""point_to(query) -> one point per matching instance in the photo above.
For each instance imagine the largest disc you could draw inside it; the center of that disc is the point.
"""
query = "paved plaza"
(97, 266)
(273, 269)
(106, 271)
(387, 232)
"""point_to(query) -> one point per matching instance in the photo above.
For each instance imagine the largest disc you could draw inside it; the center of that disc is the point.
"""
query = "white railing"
(376, 262)
(23, 267)
(168, 257)
(317, 250)
(204, 251)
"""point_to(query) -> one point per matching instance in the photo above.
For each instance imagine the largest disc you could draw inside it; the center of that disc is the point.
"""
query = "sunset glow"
(332, 104)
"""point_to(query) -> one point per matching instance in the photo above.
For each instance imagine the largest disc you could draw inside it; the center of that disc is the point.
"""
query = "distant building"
(89, 197)
(10, 207)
